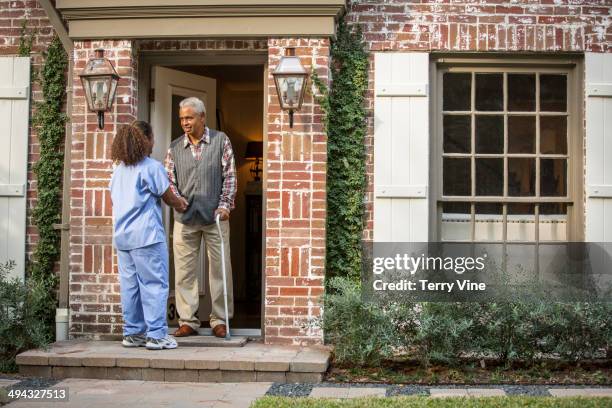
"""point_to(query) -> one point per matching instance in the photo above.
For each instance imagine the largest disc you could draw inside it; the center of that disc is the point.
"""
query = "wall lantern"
(290, 79)
(99, 80)
(254, 152)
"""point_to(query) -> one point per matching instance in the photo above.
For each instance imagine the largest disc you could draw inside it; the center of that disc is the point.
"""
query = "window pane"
(489, 134)
(457, 92)
(456, 221)
(456, 177)
(489, 92)
(521, 92)
(553, 181)
(553, 134)
(521, 177)
(489, 222)
(489, 177)
(553, 222)
(457, 134)
(521, 222)
(553, 93)
(521, 134)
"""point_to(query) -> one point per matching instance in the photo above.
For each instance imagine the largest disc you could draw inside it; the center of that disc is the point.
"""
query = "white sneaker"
(134, 340)
(167, 342)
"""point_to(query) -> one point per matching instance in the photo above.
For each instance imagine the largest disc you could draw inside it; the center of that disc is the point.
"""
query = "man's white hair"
(194, 103)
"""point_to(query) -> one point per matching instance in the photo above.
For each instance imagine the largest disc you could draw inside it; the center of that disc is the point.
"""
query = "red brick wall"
(12, 16)
(475, 25)
(295, 205)
(295, 227)
(94, 285)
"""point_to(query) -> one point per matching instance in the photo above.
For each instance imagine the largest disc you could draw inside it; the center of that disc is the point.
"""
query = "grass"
(428, 402)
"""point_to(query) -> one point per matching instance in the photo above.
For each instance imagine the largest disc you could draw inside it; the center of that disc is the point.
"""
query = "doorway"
(234, 99)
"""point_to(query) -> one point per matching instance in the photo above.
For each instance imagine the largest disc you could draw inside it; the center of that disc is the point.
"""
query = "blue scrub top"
(136, 192)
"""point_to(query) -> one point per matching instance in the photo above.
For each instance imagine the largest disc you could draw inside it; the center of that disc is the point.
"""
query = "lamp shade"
(254, 150)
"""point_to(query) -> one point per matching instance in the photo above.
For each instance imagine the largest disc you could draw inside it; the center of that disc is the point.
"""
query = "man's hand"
(223, 212)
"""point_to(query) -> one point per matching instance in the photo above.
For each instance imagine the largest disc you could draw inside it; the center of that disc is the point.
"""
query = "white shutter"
(401, 147)
(14, 116)
(598, 90)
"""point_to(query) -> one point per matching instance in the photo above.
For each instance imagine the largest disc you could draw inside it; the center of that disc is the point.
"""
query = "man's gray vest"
(200, 181)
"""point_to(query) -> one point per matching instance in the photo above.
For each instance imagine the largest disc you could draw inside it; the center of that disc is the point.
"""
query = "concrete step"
(253, 361)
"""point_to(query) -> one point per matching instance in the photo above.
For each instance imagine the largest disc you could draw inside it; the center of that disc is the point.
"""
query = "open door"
(170, 87)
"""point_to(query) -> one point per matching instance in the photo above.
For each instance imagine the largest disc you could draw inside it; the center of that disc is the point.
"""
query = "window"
(510, 161)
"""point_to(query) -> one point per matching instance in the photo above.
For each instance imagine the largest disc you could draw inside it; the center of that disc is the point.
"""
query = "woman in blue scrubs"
(137, 185)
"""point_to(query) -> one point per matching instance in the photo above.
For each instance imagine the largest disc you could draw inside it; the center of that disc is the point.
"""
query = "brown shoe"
(184, 331)
(220, 330)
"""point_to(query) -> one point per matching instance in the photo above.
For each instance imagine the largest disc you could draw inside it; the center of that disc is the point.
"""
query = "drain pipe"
(62, 313)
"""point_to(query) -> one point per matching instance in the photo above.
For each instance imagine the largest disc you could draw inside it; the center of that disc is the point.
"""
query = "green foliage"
(345, 121)
(25, 40)
(21, 305)
(428, 402)
(50, 123)
(365, 332)
(343, 325)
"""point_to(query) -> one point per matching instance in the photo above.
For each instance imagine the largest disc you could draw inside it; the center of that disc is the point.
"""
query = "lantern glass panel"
(113, 90)
(290, 88)
(99, 92)
(87, 89)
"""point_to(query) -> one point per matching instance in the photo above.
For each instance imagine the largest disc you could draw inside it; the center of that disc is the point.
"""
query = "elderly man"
(201, 168)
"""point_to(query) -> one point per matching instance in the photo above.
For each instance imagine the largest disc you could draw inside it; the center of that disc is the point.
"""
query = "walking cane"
(218, 220)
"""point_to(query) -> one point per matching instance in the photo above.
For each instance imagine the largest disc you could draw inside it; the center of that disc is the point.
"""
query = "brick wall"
(295, 205)
(295, 228)
(94, 284)
(12, 16)
(479, 26)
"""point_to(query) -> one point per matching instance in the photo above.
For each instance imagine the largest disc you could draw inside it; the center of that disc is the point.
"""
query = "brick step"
(109, 360)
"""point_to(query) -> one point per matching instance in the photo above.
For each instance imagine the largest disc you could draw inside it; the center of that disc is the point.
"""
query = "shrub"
(364, 332)
(361, 331)
(21, 307)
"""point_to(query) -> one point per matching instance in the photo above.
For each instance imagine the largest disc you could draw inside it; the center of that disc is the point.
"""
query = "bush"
(361, 331)
(365, 332)
(21, 307)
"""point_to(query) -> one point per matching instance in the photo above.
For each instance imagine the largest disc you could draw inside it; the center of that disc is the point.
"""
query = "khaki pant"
(187, 241)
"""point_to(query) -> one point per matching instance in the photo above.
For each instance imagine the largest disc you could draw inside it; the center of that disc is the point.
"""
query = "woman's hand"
(180, 204)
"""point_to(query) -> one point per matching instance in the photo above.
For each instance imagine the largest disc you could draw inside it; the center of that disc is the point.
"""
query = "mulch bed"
(410, 372)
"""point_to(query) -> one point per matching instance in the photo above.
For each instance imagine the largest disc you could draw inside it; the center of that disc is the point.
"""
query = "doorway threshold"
(211, 341)
(207, 331)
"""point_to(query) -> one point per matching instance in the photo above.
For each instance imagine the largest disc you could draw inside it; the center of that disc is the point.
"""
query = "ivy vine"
(49, 121)
(25, 40)
(345, 122)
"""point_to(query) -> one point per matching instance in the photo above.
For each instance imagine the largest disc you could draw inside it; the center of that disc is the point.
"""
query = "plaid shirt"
(228, 190)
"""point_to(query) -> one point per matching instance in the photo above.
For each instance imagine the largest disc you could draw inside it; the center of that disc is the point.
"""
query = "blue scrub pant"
(143, 276)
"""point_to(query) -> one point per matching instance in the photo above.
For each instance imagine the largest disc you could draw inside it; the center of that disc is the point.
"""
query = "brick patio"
(109, 360)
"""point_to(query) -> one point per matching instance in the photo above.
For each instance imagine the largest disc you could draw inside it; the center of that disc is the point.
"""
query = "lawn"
(428, 402)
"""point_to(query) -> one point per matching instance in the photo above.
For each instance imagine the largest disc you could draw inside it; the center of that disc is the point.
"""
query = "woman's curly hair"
(132, 143)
